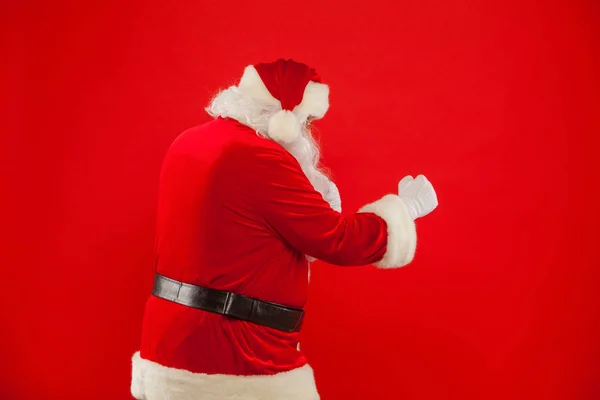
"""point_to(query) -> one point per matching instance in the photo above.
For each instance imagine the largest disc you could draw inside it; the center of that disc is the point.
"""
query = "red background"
(498, 103)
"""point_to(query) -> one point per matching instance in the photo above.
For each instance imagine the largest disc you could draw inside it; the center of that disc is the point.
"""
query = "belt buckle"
(227, 304)
(237, 306)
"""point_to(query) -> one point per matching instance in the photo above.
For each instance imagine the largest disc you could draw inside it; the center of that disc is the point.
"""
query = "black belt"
(233, 305)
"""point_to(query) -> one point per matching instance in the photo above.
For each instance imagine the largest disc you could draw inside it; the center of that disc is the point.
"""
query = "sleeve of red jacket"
(381, 233)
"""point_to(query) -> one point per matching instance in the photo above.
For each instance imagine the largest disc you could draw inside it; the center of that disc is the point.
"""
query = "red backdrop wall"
(498, 103)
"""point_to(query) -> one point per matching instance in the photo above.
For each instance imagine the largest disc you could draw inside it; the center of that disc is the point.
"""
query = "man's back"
(211, 233)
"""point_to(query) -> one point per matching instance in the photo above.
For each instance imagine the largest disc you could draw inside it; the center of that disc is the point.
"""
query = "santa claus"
(243, 207)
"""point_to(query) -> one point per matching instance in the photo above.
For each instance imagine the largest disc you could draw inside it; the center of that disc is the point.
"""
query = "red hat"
(294, 87)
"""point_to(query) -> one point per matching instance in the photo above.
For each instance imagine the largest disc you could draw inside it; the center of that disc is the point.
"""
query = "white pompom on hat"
(284, 127)
(293, 86)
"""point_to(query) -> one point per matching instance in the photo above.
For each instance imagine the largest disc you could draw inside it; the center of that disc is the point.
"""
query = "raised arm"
(382, 233)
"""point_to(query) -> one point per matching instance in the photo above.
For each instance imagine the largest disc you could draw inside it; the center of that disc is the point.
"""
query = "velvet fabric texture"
(237, 213)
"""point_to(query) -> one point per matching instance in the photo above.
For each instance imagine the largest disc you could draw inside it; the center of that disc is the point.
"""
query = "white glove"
(418, 195)
(335, 202)
(333, 197)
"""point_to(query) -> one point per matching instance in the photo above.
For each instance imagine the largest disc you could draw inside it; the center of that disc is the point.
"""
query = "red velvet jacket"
(237, 213)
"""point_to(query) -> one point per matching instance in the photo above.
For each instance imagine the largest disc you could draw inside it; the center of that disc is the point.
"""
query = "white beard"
(306, 151)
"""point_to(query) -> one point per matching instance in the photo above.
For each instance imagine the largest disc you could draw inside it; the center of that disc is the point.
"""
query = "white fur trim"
(315, 101)
(253, 86)
(284, 127)
(402, 233)
(151, 381)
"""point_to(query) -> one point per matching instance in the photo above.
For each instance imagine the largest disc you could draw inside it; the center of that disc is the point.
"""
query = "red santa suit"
(240, 210)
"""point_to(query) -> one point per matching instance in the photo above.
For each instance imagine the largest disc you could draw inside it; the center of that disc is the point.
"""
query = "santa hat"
(292, 86)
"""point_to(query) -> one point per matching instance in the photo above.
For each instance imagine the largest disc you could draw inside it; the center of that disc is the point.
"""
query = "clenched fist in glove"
(418, 195)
